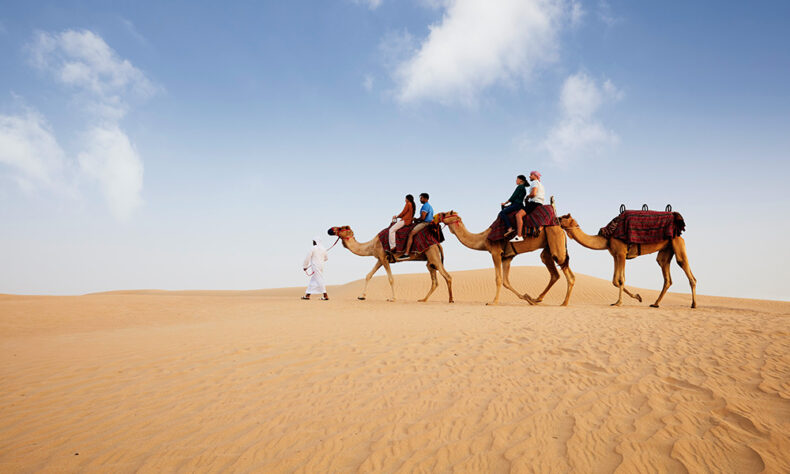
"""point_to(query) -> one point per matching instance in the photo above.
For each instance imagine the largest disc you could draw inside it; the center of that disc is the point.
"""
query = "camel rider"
(514, 203)
(425, 218)
(405, 216)
(536, 197)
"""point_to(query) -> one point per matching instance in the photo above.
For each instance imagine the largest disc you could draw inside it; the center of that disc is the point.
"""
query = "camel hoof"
(638, 297)
(493, 303)
(616, 304)
(422, 301)
(361, 298)
(391, 300)
(693, 305)
(654, 305)
(451, 301)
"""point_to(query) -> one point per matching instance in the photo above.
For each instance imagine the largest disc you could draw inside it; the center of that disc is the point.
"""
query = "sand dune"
(259, 381)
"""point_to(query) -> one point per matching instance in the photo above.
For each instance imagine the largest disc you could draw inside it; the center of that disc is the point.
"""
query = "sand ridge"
(260, 381)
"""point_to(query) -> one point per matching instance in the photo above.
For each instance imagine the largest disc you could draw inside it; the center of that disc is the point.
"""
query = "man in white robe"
(314, 266)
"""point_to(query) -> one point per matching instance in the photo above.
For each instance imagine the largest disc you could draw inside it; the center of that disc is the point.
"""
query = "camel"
(434, 255)
(621, 251)
(551, 240)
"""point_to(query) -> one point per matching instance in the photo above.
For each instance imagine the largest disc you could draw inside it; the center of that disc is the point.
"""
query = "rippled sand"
(263, 382)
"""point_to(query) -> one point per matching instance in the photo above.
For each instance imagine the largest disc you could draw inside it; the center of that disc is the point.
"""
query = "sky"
(202, 145)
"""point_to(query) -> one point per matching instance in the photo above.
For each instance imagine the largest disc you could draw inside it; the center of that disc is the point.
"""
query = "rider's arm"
(403, 212)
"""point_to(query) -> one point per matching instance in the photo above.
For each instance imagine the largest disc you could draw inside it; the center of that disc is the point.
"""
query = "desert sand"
(260, 381)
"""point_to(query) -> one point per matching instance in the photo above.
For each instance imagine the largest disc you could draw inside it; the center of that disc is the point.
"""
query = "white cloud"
(133, 31)
(372, 4)
(29, 148)
(83, 59)
(579, 132)
(367, 82)
(102, 83)
(435, 4)
(111, 159)
(577, 13)
(606, 15)
(478, 44)
(396, 47)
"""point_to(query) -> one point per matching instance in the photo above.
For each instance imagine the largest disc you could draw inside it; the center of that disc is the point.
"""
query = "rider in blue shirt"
(426, 211)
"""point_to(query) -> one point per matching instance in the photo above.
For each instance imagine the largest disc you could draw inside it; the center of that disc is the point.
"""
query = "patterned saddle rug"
(430, 235)
(644, 227)
(533, 222)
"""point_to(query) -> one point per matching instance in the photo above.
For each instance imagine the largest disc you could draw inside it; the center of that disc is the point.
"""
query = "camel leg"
(434, 282)
(635, 296)
(447, 278)
(679, 246)
(570, 278)
(389, 276)
(619, 281)
(495, 255)
(367, 279)
(554, 275)
(664, 258)
(506, 280)
(619, 277)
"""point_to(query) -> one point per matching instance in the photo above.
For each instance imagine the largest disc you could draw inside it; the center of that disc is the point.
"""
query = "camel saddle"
(430, 235)
(644, 227)
(533, 223)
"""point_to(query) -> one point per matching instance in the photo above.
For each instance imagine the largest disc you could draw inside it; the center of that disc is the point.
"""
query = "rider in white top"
(536, 193)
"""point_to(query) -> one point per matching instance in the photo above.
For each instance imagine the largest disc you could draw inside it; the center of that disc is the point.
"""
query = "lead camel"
(433, 255)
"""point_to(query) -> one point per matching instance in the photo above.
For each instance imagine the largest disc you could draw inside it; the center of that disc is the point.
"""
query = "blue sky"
(189, 145)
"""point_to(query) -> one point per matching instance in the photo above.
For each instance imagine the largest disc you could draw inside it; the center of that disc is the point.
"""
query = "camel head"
(344, 232)
(448, 218)
(568, 222)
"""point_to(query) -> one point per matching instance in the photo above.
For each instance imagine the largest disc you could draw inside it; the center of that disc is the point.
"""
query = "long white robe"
(314, 262)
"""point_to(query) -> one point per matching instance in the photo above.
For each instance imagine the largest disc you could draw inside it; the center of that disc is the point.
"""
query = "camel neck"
(361, 249)
(594, 242)
(468, 239)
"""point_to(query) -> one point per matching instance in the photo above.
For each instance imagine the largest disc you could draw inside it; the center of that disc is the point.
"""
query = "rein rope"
(336, 241)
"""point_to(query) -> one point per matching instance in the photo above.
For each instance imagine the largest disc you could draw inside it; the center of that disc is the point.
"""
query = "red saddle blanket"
(540, 217)
(430, 235)
(644, 227)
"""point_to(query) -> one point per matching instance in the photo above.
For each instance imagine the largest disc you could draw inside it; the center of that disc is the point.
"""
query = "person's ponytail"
(410, 198)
